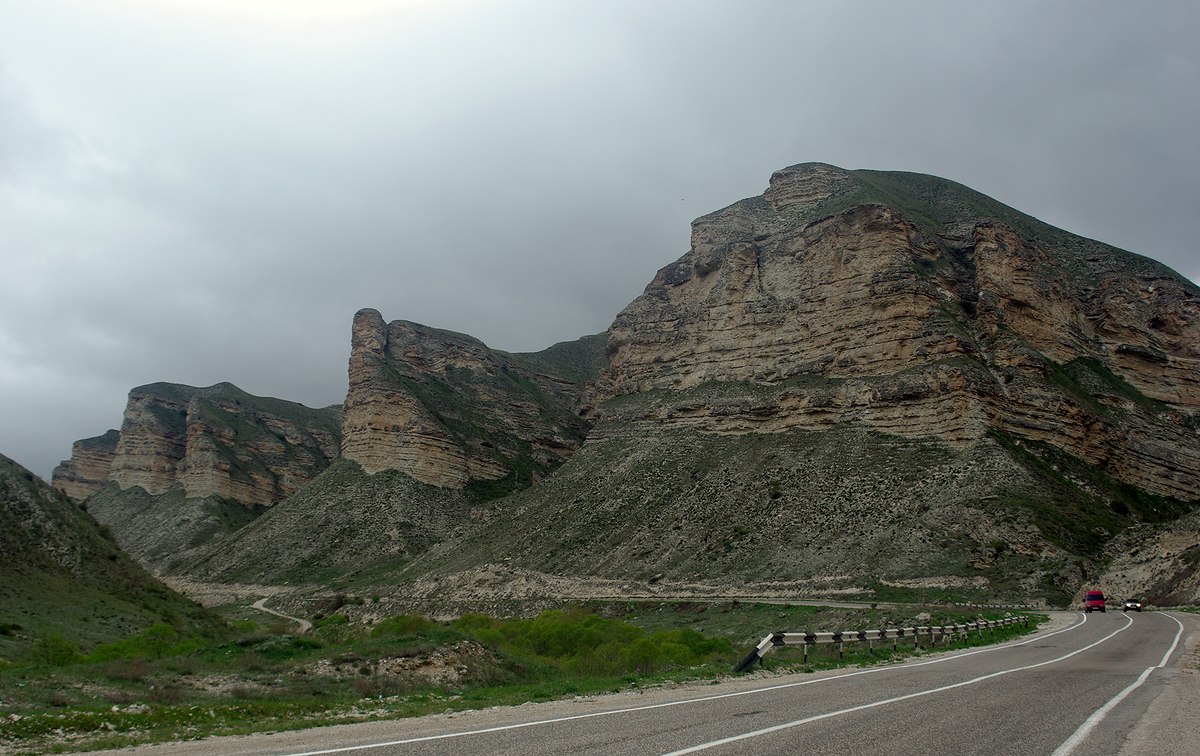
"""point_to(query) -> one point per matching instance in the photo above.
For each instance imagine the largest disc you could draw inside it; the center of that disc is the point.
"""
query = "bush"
(402, 625)
(53, 650)
(155, 642)
(587, 644)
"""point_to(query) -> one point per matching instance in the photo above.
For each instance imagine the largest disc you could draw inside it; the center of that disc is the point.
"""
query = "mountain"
(61, 573)
(920, 308)
(445, 409)
(190, 463)
(858, 383)
(871, 381)
(437, 427)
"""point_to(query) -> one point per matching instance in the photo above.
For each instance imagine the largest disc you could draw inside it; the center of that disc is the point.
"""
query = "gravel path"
(261, 605)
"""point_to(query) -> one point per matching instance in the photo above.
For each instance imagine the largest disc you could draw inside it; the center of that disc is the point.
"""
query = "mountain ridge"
(894, 318)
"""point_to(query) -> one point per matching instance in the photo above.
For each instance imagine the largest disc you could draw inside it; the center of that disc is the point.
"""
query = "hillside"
(62, 574)
(192, 463)
(871, 381)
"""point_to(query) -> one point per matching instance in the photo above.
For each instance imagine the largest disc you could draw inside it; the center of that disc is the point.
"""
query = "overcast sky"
(199, 191)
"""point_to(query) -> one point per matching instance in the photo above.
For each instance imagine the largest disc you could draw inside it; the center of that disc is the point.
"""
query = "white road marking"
(906, 697)
(1098, 715)
(873, 670)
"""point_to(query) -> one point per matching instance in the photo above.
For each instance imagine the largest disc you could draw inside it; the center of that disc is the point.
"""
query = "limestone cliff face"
(444, 409)
(85, 472)
(916, 307)
(220, 441)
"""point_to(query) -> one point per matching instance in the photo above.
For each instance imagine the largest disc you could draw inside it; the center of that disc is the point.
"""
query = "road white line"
(535, 723)
(906, 697)
(1098, 715)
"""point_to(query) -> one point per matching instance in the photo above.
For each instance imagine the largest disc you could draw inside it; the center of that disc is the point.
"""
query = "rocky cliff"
(191, 464)
(877, 383)
(445, 409)
(209, 442)
(86, 471)
(917, 307)
(437, 428)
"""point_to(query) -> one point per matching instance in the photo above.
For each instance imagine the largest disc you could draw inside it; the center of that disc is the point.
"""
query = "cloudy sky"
(207, 190)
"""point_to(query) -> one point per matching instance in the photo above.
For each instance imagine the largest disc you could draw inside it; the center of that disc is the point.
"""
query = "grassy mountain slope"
(62, 574)
(847, 508)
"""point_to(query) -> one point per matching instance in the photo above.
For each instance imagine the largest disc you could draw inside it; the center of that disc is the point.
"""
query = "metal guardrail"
(996, 606)
(870, 637)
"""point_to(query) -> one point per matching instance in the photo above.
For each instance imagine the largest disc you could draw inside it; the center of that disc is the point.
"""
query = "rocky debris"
(1159, 564)
(439, 666)
(88, 468)
(343, 520)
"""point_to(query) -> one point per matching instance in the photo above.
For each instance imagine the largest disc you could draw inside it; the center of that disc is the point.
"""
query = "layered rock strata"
(918, 308)
(445, 409)
(86, 471)
(209, 442)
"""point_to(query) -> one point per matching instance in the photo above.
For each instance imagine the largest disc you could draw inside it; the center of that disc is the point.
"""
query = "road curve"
(1079, 687)
(303, 625)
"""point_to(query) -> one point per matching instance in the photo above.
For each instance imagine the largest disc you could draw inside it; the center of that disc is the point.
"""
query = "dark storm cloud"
(198, 192)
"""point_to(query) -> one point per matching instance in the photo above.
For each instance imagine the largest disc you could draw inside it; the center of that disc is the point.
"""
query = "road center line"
(896, 699)
(520, 725)
(1098, 715)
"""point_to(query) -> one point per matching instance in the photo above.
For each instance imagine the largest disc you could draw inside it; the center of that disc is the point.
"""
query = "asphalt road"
(1081, 687)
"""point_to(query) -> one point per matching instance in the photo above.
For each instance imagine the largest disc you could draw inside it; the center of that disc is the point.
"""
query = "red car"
(1093, 600)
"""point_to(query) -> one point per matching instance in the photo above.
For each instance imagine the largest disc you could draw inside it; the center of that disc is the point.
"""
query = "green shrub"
(587, 644)
(402, 625)
(53, 650)
(155, 642)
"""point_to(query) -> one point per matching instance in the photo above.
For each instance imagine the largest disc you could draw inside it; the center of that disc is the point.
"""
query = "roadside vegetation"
(158, 685)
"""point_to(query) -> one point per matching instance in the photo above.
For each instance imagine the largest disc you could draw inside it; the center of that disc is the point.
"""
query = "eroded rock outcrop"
(445, 409)
(209, 442)
(86, 471)
(845, 299)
